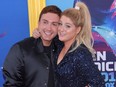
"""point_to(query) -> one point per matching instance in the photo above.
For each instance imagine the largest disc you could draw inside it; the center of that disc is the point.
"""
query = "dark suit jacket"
(27, 65)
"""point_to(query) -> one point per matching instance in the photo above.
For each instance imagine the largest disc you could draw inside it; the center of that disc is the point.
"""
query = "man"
(28, 63)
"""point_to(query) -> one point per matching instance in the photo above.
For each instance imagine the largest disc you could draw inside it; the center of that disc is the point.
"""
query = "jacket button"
(45, 84)
(47, 67)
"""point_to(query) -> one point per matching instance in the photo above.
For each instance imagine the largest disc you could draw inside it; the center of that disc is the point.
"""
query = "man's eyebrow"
(55, 21)
(44, 20)
(48, 21)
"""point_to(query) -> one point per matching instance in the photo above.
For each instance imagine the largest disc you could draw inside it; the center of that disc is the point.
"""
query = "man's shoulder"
(27, 43)
(28, 40)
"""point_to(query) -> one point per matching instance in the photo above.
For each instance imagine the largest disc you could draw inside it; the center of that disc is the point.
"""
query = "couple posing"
(48, 60)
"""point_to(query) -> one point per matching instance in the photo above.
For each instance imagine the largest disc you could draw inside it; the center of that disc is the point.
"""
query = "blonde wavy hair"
(80, 16)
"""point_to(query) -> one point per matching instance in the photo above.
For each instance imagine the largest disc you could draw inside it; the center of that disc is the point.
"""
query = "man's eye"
(60, 24)
(55, 24)
(45, 22)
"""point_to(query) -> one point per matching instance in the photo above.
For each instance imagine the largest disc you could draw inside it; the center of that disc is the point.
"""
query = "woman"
(74, 66)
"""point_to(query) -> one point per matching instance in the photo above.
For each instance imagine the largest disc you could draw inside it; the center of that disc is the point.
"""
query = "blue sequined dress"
(77, 69)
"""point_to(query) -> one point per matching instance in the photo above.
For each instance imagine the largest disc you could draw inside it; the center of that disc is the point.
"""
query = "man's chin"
(47, 39)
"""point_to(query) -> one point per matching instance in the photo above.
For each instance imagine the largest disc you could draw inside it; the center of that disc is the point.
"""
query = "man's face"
(48, 26)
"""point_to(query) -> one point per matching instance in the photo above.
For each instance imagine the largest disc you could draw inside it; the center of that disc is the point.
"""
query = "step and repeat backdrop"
(14, 26)
(103, 13)
(18, 19)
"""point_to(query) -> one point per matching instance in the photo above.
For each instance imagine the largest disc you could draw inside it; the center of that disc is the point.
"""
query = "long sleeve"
(89, 70)
(13, 71)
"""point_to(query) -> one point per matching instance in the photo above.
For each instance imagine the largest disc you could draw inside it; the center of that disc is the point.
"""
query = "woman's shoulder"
(82, 53)
(82, 49)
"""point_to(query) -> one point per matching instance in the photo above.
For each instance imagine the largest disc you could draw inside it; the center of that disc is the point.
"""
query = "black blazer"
(26, 65)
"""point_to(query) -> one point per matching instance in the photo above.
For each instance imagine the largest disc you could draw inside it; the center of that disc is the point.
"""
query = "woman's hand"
(36, 34)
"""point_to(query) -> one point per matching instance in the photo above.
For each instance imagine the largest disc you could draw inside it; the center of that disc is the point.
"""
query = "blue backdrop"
(13, 26)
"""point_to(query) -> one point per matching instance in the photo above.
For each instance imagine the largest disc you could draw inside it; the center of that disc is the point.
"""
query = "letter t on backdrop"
(34, 9)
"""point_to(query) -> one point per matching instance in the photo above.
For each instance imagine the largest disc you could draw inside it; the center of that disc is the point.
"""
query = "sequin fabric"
(77, 69)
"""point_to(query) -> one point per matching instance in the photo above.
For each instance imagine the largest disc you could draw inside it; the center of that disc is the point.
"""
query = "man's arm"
(13, 68)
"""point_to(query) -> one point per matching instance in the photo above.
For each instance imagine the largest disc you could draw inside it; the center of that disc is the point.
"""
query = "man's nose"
(49, 27)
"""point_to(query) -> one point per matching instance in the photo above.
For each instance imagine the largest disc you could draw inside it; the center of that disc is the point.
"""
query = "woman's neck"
(64, 50)
(68, 44)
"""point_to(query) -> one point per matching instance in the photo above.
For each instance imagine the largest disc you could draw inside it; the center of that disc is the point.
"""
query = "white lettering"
(101, 55)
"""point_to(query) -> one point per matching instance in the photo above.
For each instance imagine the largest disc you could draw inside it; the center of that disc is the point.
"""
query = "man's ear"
(38, 24)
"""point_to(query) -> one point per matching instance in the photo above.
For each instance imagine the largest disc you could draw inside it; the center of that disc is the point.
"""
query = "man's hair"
(50, 9)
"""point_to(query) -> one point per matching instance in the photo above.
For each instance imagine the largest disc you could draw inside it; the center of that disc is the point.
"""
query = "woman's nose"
(61, 28)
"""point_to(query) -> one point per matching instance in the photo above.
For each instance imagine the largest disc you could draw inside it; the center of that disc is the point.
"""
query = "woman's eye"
(67, 26)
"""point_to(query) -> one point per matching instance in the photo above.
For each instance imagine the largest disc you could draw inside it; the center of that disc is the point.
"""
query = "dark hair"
(50, 9)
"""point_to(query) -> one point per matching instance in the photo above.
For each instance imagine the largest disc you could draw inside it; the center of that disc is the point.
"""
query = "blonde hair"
(81, 18)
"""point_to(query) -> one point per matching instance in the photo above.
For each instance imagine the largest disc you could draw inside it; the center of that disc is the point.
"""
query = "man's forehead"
(50, 16)
(52, 21)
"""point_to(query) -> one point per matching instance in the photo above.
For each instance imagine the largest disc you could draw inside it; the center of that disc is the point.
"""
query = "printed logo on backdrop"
(104, 33)
(2, 35)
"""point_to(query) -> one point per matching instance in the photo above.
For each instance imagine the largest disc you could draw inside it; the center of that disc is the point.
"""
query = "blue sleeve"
(89, 70)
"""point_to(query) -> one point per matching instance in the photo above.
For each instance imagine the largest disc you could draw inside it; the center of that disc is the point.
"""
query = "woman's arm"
(89, 70)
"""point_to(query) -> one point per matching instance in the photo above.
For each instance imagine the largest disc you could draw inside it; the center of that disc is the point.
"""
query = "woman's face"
(67, 31)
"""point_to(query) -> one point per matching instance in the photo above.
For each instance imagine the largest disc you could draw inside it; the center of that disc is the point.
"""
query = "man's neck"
(46, 43)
